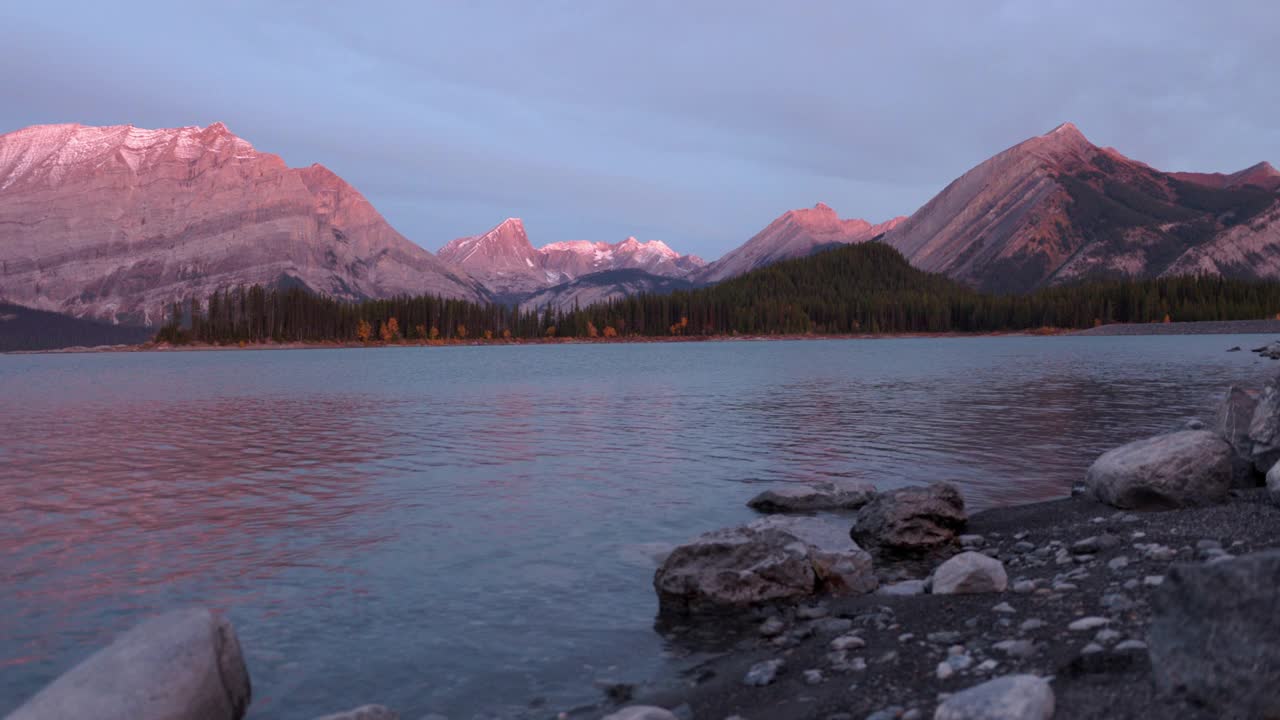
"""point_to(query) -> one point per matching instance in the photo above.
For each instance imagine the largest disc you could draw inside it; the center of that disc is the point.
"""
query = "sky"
(695, 122)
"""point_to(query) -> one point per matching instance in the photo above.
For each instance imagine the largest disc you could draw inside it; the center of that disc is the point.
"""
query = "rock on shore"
(912, 521)
(772, 559)
(1180, 469)
(183, 665)
(1014, 697)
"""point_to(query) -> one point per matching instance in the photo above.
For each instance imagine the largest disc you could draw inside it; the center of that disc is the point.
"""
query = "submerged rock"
(968, 573)
(184, 664)
(1231, 423)
(768, 560)
(831, 495)
(913, 520)
(1181, 469)
(1215, 635)
(1012, 697)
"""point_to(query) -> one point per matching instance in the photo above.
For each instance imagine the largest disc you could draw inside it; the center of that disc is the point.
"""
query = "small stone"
(987, 666)
(1131, 645)
(642, 712)
(945, 670)
(1064, 587)
(848, 642)
(1131, 584)
(1091, 649)
(1088, 623)
(1106, 636)
(969, 572)
(833, 626)
(1023, 547)
(1024, 586)
(811, 612)
(1016, 648)
(959, 662)
(763, 673)
(1117, 602)
(969, 541)
(813, 677)
(1004, 607)
(378, 712)
(1012, 697)
(1118, 563)
(1030, 625)
(772, 627)
(906, 587)
(906, 637)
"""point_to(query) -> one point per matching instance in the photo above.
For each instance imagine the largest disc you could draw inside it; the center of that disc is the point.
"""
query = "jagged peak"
(824, 208)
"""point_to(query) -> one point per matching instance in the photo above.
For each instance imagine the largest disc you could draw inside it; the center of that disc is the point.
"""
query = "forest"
(866, 288)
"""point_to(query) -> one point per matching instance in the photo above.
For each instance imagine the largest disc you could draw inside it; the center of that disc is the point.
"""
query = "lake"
(465, 530)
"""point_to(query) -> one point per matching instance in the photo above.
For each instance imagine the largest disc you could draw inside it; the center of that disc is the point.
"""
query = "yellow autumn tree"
(461, 332)
(506, 334)
(420, 332)
(364, 331)
(389, 331)
(488, 334)
(610, 332)
(551, 332)
(591, 330)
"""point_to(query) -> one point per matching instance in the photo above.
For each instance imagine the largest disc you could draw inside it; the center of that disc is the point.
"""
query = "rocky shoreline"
(1149, 592)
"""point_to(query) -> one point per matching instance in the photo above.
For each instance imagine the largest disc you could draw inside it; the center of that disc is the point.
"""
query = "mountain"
(26, 329)
(1057, 208)
(512, 269)
(796, 233)
(602, 287)
(116, 222)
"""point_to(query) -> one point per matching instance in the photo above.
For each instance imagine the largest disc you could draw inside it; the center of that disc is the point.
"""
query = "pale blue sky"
(691, 122)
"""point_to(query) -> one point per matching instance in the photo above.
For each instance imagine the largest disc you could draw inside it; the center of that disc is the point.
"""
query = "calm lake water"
(463, 530)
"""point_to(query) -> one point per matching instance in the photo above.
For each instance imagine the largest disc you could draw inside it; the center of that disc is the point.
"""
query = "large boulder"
(183, 665)
(1264, 429)
(1012, 697)
(641, 712)
(1273, 483)
(771, 559)
(1215, 635)
(1181, 469)
(970, 573)
(913, 520)
(1231, 422)
(807, 497)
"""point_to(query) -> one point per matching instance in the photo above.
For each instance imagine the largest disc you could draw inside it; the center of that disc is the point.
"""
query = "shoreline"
(1208, 327)
(906, 637)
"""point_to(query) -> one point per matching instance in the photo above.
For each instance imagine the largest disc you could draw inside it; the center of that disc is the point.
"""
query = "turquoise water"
(466, 530)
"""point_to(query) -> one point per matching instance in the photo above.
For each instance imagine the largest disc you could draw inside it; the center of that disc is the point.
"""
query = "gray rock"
(763, 673)
(1264, 429)
(1181, 469)
(1012, 697)
(772, 627)
(364, 712)
(970, 572)
(642, 712)
(775, 558)
(1016, 648)
(911, 520)
(905, 587)
(1215, 635)
(827, 495)
(1087, 623)
(182, 664)
(1273, 484)
(1231, 423)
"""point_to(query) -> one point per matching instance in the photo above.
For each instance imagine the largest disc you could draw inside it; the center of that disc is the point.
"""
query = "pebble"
(1128, 645)
(1106, 636)
(1032, 624)
(813, 677)
(763, 673)
(1016, 648)
(1023, 547)
(811, 612)
(833, 626)
(1087, 623)
(1091, 649)
(1117, 602)
(772, 627)
(1153, 580)
(987, 666)
(945, 670)
(906, 637)
(847, 642)
(1064, 587)
(1131, 584)
(971, 540)
(1118, 563)
(889, 713)
(906, 587)
(1024, 586)
(1004, 607)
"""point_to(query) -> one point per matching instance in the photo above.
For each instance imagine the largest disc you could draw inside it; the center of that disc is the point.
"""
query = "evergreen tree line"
(867, 288)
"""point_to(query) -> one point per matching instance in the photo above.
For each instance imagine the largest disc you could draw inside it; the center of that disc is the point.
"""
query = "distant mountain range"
(513, 270)
(115, 222)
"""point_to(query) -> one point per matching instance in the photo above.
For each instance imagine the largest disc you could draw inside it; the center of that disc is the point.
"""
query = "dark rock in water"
(185, 664)
(364, 712)
(1231, 423)
(1215, 635)
(1264, 429)
(771, 559)
(1012, 697)
(1234, 349)
(916, 520)
(1181, 469)
(815, 496)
